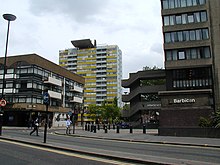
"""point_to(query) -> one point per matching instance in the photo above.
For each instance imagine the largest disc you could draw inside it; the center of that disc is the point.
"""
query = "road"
(13, 153)
(134, 150)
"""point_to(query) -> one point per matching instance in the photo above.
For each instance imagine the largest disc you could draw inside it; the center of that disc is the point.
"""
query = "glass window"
(30, 70)
(188, 54)
(193, 53)
(194, 2)
(168, 55)
(183, 3)
(184, 18)
(172, 20)
(205, 34)
(203, 16)
(171, 4)
(207, 52)
(9, 85)
(197, 17)
(185, 35)
(177, 3)
(190, 18)
(29, 85)
(172, 36)
(198, 34)
(166, 21)
(28, 100)
(174, 54)
(192, 35)
(201, 2)
(180, 36)
(181, 55)
(178, 19)
(10, 70)
(189, 2)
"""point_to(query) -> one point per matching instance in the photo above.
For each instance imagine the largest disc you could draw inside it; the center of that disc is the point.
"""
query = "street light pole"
(9, 18)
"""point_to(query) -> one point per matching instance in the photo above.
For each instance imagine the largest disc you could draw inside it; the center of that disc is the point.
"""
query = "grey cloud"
(78, 10)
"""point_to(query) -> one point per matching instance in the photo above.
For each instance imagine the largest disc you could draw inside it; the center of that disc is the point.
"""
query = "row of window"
(188, 54)
(192, 83)
(170, 4)
(190, 74)
(186, 35)
(185, 18)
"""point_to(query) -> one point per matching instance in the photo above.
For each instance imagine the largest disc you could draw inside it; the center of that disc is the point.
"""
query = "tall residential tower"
(101, 66)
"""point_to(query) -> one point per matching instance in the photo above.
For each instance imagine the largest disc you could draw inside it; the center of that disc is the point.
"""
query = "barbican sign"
(183, 101)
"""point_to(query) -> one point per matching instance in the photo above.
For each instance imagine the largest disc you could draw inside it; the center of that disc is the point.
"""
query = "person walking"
(68, 123)
(36, 125)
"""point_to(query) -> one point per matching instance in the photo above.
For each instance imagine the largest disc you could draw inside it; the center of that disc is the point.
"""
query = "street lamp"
(9, 18)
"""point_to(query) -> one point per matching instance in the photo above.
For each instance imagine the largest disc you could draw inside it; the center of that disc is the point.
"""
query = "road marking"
(69, 154)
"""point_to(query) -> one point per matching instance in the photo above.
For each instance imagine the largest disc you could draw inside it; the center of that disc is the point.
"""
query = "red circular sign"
(3, 102)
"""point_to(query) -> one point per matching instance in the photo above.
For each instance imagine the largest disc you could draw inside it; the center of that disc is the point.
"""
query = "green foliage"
(205, 122)
(213, 121)
(152, 82)
(216, 119)
(104, 112)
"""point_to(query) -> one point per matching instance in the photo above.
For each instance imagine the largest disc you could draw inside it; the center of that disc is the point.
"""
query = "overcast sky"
(46, 26)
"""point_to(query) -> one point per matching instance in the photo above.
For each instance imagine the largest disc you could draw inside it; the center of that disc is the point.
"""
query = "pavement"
(137, 135)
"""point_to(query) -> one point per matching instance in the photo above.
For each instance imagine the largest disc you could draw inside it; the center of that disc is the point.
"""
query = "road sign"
(46, 98)
(3, 102)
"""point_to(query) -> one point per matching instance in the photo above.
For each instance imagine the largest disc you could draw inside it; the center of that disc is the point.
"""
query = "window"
(183, 3)
(184, 18)
(206, 52)
(193, 53)
(181, 55)
(190, 18)
(189, 2)
(171, 4)
(178, 19)
(166, 20)
(198, 34)
(197, 17)
(175, 55)
(168, 55)
(203, 16)
(192, 35)
(172, 20)
(205, 34)
(180, 36)
(167, 38)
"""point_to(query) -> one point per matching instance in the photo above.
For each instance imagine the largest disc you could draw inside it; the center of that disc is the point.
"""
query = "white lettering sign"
(182, 101)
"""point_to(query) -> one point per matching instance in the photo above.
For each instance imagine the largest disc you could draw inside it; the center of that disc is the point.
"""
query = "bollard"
(144, 129)
(106, 130)
(91, 130)
(131, 129)
(86, 127)
(98, 127)
(109, 126)
(117, 130)
(94, 128)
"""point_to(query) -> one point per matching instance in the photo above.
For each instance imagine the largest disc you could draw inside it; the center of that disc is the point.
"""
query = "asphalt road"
(19, 154)
(157, 152)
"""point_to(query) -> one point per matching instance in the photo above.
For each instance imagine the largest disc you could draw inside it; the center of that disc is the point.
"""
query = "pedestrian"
(68, 123)
(36, 125)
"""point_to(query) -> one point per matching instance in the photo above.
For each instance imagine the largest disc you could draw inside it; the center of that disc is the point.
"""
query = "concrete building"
(101, 66)
(191, 47)
(27, 76)
(145, 104)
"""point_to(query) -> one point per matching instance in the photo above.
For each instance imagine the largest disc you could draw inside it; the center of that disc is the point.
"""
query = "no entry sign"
(3, 102)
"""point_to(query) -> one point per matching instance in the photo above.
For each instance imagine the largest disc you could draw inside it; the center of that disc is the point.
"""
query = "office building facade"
(101, 66)
(27, 77)
(191, 48)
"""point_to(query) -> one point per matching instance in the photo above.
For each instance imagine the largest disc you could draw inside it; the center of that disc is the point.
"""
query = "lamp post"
(9, 18)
